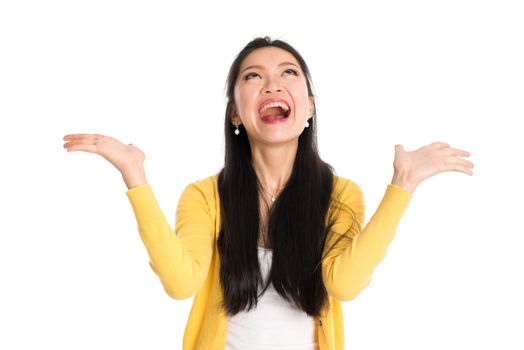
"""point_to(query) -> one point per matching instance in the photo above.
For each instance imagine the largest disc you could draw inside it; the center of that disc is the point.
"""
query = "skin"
(413, 167)
(128, 159)
(274, 146)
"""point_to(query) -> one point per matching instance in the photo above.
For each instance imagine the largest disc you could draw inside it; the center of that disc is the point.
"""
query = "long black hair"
(298, 221)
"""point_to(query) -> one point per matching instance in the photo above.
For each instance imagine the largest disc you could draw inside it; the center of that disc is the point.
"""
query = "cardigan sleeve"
(347, 268)
(180, 258)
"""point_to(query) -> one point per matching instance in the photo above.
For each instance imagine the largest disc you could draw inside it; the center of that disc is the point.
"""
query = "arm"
(181, 259)
(347, 269)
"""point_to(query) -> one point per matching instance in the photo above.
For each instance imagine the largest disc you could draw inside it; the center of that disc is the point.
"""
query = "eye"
(246, 77)
(249, 75)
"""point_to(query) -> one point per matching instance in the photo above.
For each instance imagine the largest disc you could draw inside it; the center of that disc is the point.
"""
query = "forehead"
(268, 57)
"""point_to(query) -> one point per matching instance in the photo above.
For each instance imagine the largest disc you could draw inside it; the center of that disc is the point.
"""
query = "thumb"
(399, 147)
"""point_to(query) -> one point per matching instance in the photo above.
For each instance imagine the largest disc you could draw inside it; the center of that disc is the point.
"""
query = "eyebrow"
(260, 67)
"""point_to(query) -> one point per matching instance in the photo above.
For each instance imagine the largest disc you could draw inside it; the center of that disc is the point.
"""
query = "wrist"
(134, 175)
(401, 179)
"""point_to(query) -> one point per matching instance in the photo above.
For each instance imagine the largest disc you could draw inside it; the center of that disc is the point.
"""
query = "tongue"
(273, 113)
(273, 117)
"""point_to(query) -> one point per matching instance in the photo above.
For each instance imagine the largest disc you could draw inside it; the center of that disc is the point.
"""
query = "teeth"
(274, 104)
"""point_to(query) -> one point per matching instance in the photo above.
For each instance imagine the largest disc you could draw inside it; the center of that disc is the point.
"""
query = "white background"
(74, 273)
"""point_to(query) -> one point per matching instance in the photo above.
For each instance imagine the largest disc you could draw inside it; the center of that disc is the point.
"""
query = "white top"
(274, 324)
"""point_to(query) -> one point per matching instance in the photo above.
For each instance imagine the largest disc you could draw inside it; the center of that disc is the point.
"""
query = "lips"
(276, 103)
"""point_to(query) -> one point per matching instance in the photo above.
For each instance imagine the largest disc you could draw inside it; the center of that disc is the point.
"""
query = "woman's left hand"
(413, 167)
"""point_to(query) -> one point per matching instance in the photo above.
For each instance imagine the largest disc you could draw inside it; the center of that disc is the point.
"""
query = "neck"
(273, 164)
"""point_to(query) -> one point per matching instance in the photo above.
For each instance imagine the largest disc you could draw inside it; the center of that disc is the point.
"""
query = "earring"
(307, 122)
(236, 130)
(310, 115)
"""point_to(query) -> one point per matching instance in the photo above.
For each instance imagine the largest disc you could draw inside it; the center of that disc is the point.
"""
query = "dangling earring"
(310, 115)
(236, 130)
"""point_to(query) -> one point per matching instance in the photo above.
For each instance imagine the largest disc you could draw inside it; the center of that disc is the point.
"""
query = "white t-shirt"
(274, 324)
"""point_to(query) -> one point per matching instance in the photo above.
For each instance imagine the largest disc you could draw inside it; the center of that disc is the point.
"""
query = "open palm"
(114, 151)
(429, 160)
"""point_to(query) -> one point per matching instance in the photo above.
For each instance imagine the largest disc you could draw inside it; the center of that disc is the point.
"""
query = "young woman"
(274, 242)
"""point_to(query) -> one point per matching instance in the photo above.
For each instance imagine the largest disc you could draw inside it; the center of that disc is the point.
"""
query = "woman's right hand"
(120, 155)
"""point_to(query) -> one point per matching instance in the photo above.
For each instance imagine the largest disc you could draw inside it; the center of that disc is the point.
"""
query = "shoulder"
(205, 187)
(346, 189)
(208, 183)
(200, 196)
(347, 194)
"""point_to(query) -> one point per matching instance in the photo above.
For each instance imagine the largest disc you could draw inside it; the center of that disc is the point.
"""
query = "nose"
(272, 85)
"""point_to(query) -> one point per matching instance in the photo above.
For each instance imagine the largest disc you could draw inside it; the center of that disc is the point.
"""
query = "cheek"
(245, 98)
(301, 100)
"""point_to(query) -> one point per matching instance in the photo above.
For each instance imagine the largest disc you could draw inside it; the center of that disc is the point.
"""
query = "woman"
(274, 242)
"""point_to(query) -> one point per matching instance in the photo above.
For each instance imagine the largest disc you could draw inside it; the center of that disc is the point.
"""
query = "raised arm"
(347, 269)
(181, 259)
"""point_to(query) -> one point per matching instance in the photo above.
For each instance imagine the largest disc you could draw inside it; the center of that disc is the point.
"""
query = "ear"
(311, 106)
(233, 115)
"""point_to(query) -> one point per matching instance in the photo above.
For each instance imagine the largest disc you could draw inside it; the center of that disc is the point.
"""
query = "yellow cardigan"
(187, 263)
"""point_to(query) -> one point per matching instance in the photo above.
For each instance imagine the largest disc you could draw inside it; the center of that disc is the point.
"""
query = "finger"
(439, 145)
(462, 166)
(71, 137)
(453, 161)
(465, 163)
(82, 141)
(86, 148)
(466, 170)
(457, 152)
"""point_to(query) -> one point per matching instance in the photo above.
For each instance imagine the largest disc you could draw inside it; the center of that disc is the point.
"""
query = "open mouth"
(274, 111)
